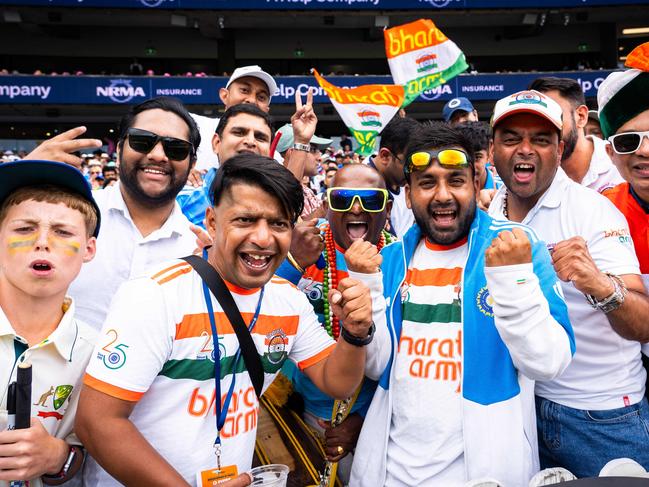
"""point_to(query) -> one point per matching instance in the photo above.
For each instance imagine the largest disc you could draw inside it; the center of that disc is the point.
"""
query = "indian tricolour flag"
(366, 110)
(421, 57)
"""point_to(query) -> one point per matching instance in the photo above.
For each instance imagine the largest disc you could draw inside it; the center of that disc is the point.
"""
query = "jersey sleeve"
(312, 343)
(609, 241)
(134, 343)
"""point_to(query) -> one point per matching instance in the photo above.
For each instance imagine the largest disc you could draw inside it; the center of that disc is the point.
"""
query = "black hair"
(265, 173)
(167, 104)
(477, 133)
(436, 135)
(567, 87)
(248, 108)
(396, 133)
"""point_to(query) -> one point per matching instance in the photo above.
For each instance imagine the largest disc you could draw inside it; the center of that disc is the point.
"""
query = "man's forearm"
(343, 370)
(124, 453)
(295, 161)
(630, 320)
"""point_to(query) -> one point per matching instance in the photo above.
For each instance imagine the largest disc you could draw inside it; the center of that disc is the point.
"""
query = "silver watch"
(614, 300)
(302, 147)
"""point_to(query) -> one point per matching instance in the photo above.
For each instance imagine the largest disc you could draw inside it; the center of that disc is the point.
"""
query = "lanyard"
(222, 411)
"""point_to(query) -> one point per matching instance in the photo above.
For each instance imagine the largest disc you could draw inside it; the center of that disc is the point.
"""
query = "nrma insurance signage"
(323, 4)
(101, 90)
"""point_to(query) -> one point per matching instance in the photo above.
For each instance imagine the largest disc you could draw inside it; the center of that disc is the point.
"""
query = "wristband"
(357, 341)
(294, 263)
(302, 147)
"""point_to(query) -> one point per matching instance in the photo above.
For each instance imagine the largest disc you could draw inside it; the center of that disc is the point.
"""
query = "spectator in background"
(479, 135)
(346, 145)
(459, 110)
(592, 127)
(110, 171)
(584, 159)
(248, 84)
(388, 161)
(94, 175)
(330, 173)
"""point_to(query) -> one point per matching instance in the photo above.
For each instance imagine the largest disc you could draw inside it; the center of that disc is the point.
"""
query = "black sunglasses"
(143, 141)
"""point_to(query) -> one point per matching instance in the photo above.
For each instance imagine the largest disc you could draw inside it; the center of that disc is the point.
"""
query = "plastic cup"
(274, 475)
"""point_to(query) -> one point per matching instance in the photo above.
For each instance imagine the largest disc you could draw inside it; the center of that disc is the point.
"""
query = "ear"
(581, 116)
(406, 188)
(384, 155)
(210, 221)
(609, 150)
(560, 152)
(490, 152)
(216, 143)
(223, 95)
(91, 249)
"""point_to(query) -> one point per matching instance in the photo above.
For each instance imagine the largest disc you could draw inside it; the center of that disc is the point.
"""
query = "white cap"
(528, 101)
(256, 72)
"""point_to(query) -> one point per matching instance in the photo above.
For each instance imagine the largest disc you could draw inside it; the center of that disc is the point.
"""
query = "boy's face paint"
(21, 244)
(43, 248)
(67, 246)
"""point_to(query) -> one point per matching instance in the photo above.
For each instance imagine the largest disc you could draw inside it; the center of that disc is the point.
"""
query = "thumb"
(335, 296)
(324, 424)
(241, 481)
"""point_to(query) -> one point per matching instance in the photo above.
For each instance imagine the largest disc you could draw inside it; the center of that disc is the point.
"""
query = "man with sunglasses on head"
(357, 206)
(142, 222)
(466, 317)
(595, 411)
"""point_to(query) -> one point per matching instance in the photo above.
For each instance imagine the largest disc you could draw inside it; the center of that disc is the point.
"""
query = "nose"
(261, 235)
(157, 153)
(249, 139)
(524, 147)
(443, 194)
(42, 242)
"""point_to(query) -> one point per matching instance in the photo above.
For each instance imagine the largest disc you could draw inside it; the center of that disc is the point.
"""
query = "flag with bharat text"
(366, 110)
(421, 57)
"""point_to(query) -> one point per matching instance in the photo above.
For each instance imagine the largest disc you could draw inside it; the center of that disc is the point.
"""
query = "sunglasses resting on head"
(143, 141)
(372, 200)
(448, 158)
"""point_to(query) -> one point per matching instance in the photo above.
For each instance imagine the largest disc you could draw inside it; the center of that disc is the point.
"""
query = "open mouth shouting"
(444, 217)
(641, 170)
(523, 172)
(357, 229)
(41, 268)
(256, 262)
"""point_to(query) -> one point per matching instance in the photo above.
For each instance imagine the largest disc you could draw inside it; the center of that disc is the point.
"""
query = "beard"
(570, 141)
(128, 179)
(465, 217)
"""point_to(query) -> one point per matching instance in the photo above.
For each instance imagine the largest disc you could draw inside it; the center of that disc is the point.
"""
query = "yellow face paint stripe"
(68, 247)
(21, 244)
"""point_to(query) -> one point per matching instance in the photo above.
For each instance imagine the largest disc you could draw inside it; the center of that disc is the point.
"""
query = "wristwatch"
(302, 147)
(357, 341)
(612, 301)
(75, 453)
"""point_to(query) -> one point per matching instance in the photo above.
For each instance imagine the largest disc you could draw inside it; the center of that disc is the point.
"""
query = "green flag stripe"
(417, 86)
(432, 313)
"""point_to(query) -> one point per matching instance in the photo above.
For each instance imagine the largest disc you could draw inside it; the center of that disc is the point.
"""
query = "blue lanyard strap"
(222, 411)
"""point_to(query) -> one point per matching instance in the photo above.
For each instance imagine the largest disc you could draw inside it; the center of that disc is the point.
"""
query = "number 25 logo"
(115, 357)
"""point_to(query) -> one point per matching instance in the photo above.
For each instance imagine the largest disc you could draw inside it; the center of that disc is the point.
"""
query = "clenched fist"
(306, 243)
(363, 257)
(573, 262)
(352, 304)
(509, 248)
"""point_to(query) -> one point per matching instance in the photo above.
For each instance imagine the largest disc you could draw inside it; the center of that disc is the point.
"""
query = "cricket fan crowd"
(222, 301)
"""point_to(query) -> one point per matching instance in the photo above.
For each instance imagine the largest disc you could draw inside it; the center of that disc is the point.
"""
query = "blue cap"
(15, 175)
(456, 104)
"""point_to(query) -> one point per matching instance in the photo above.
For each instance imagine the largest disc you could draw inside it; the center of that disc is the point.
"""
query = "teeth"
(258, 257)
(154, 171)
(449, 212)
(524, 166)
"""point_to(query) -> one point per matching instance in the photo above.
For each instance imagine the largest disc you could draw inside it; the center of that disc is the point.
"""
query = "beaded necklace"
(330, 279)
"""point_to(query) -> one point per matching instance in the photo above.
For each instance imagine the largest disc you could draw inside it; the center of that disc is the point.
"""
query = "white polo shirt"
(123, 253)
(58, 365)
(602, 173)
(206, 159)
(606, 371)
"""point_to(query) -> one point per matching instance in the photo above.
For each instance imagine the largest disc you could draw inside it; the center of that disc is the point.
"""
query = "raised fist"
(509, 248)
(363, 257)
